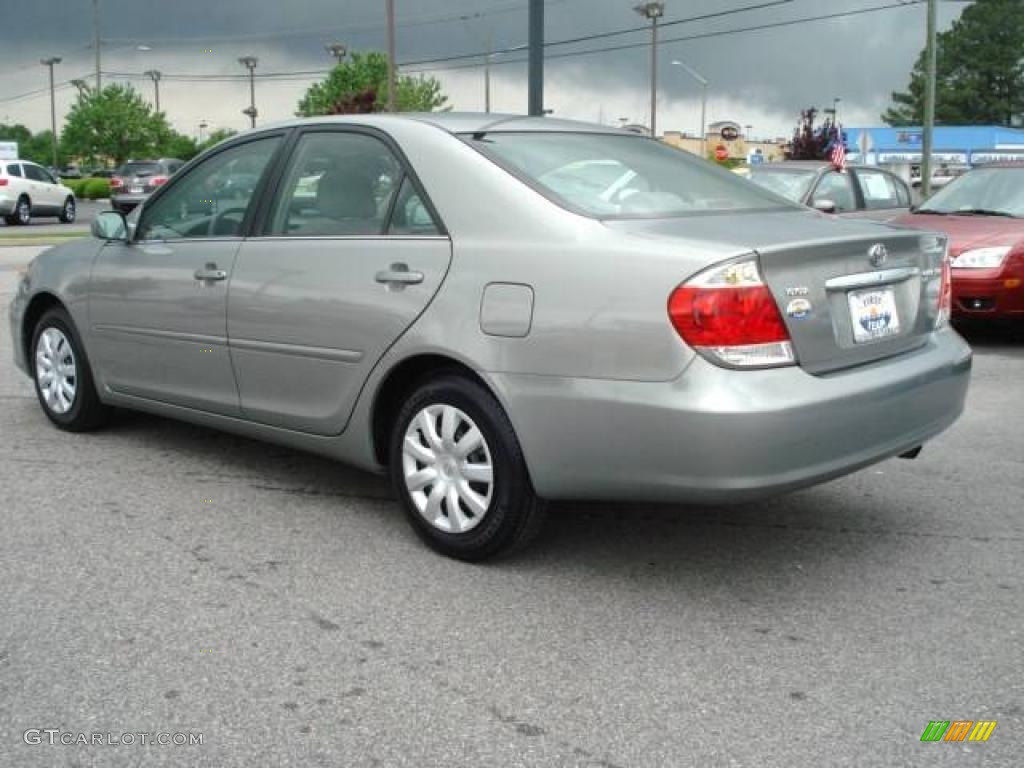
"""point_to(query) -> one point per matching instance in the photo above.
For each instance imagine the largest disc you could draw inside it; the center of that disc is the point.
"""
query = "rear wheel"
(459, 471)
(62, 377)
(67, 213)
(22, 214)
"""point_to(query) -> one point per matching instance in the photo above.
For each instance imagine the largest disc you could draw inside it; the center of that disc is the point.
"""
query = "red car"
(982, 212)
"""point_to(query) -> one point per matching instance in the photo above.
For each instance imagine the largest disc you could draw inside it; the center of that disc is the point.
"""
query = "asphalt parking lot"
(48, 225)
(159, 577)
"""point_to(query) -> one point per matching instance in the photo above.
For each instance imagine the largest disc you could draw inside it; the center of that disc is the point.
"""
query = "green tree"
(37, 147)
(360, 84)
(174, 144)
(115, 123)
(980, 70)
(216, 137)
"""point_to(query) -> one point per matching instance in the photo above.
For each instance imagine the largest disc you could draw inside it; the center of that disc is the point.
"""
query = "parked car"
(138, 179)
(440, 296)
(28, 189)
(982, 213)
(70, 171)
(862, 192)
(104, 173)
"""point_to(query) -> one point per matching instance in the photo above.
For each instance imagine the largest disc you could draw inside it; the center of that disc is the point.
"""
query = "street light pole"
(931, 56)
(155, 75)
(249, 62)
(653, 10)
(487, 76)
(53, 104)
(391, 55)
(202, 131)
(82, 86)
(96, 39)
(703, 103)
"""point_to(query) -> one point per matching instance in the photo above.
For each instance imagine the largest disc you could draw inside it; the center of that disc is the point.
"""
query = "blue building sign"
(951, 145)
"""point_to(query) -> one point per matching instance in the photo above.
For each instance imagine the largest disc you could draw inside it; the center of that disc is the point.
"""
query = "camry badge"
(878, 254)
(798, 309)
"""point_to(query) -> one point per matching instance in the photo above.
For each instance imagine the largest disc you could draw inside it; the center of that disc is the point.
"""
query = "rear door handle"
(400, 274)
(210, 272)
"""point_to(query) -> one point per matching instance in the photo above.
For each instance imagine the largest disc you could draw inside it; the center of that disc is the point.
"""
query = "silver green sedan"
(501, 311)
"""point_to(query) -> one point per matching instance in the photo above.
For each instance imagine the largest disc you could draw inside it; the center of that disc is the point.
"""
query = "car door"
(837, 188)
(158, 303)
(41, 190)
(885, 196)
(351, 254)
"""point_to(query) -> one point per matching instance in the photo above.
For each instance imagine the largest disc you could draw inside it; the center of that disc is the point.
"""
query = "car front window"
(994, 191)
(616, 176)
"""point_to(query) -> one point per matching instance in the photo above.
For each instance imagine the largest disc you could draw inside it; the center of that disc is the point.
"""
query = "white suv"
(28, 190)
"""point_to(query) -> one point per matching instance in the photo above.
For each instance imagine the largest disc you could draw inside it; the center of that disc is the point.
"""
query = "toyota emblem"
(878, 254)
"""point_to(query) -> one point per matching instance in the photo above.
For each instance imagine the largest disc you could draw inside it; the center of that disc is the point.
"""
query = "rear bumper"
(721, 436)
(126, 203)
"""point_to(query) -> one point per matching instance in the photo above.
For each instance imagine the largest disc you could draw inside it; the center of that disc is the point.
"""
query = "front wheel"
(67, 213)
(459, 471)
(62, 377)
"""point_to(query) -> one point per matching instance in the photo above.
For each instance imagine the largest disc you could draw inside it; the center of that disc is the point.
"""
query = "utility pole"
(487, 75)
(653, 10)
(337, 50)
(53, 105)
(249, 62)
(82, 86)
(96, 39)
(535, 97)
(391, 55)
(202, 131)
(931, 55)
(155, 75)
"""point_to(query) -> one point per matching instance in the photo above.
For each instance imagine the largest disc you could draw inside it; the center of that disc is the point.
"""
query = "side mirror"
(824, 205)
(109, 225)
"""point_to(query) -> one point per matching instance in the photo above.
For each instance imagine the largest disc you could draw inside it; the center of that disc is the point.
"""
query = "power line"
(687, 38)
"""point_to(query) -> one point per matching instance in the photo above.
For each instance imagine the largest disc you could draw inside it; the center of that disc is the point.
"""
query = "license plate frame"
(873, 314)
(136, 190)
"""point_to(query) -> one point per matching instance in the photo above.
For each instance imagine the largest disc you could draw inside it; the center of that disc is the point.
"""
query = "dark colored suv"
(138, 179)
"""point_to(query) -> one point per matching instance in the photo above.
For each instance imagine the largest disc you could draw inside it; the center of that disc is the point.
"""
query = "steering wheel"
(213, 229)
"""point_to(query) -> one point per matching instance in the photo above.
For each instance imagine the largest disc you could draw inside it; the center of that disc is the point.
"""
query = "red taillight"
(116, 181)
(729, 313)
(945, 293)
(158, 181)
(3, 182)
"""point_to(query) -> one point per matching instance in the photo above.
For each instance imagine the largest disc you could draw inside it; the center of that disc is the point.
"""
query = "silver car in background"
(500, 311)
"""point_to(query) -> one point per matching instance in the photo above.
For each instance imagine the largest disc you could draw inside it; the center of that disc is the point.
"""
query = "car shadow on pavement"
(1001, 336)
(770, 540)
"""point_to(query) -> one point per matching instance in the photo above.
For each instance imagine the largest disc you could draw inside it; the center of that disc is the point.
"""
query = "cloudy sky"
(758, 77)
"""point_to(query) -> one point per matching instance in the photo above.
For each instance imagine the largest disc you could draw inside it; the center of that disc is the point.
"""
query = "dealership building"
(952, 145)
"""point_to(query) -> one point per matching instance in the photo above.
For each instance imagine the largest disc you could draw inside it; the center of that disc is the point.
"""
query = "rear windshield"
(615, 176)
(792, 185)
(140, 169)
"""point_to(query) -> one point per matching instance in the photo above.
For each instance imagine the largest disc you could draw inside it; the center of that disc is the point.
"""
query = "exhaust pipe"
(911, 454)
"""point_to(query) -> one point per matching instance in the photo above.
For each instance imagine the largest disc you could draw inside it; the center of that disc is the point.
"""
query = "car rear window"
(608, 175)
(140, 169)
(14, 170)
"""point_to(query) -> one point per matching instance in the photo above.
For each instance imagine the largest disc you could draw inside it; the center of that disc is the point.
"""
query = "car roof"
(809, 165)
(460, 122)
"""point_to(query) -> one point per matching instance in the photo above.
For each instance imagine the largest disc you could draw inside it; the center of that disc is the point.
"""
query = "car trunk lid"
(850, 292)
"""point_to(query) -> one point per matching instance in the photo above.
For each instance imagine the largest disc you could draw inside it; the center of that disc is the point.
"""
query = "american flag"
(838, 155)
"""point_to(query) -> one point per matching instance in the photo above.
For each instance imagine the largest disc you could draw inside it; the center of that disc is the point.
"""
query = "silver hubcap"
(448, 470)
(69, 210)
(56, 371)
(23, 212)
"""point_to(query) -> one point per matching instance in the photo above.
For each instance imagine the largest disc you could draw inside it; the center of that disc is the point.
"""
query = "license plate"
(136, 190)
(874, 314)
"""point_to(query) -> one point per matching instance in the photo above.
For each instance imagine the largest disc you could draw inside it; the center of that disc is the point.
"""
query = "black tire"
(86, 411)
(514, 515)
(22, 214)
(67, 213)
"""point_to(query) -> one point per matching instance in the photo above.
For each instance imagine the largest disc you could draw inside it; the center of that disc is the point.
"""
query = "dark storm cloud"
(770, 72)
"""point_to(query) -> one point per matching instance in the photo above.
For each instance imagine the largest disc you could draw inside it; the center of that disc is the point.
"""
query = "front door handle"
(210, 272)
(399, 273)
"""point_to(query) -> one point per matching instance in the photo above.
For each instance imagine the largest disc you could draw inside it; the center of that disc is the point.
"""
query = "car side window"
(14, 170)
(838, 188)
(337, 184)
(410, 216)
(213, 198)
(879, 189)
(33, 172)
